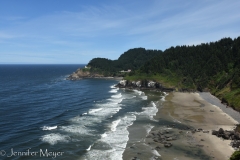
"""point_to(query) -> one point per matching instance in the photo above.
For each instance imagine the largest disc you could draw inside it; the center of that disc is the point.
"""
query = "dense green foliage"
(132, 59)
(211, 66)
(235, 156)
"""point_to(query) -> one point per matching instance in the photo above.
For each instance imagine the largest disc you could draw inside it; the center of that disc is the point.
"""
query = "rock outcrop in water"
(79, 74)
(144, 84)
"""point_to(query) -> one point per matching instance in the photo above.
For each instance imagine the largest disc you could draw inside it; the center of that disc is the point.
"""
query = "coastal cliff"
(144, 85)
(149, 85)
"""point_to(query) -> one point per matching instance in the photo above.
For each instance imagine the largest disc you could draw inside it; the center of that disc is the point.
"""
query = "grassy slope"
(232, 97)
(166, 81)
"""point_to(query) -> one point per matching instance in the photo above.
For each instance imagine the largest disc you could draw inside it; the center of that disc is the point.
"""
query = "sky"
(74, 32)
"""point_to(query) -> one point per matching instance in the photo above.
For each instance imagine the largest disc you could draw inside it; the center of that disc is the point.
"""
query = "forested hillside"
(211, 67)
(132, 59)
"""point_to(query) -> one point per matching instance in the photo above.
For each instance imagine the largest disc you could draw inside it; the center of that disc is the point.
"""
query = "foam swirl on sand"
(165, 94)
(150, 111)
(155, 152)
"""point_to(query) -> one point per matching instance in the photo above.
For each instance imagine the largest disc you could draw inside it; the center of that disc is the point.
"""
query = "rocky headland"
(80, 74)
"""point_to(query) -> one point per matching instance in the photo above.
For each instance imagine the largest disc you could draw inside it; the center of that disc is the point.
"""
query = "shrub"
(235, 156)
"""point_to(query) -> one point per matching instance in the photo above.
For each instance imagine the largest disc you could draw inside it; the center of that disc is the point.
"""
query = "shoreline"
(229, 111)
(80, 78)
(179, 114)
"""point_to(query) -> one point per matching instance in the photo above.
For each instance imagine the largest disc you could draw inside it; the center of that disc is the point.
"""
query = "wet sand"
(177, 117)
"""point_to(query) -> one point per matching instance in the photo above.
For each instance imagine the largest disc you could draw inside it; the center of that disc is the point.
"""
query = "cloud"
(109, 29)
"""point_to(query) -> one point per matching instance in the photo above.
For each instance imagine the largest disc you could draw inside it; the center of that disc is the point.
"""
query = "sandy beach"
(177, 117)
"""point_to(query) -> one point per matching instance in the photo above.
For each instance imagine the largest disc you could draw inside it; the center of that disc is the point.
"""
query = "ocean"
(45, 116)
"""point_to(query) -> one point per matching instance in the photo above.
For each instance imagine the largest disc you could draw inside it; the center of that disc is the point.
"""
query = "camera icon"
(2, 153)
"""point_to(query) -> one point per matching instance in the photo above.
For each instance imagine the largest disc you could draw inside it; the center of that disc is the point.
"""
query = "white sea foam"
(177, 121)
(153, 104)
(116, 140)
(113, 86)
(115, 100)
(91, 111)
(114, 125)
(163, 98)
(89, 148)
(139, 92)
(117, 95)
(155, 152)
(131, 97)
(144, 97)
(103, 111)
(148, 128)
(113, 91)
(116, 137)
(49, 128)
(96, 115)
(165, 94)
(54, 138)
(135, 113)
(76, 129)
(150, 111)
(108, 109)
(104, 135)
(110, 154)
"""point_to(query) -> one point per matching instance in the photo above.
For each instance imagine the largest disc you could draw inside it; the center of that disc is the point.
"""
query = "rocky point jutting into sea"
(79, 74)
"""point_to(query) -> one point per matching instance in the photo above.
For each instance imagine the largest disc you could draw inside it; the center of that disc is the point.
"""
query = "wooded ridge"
(213, 67)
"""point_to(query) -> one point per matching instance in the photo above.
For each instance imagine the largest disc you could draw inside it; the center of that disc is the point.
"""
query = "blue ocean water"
(45, 116)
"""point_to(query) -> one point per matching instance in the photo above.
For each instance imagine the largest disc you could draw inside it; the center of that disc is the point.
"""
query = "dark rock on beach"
(228, 135)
